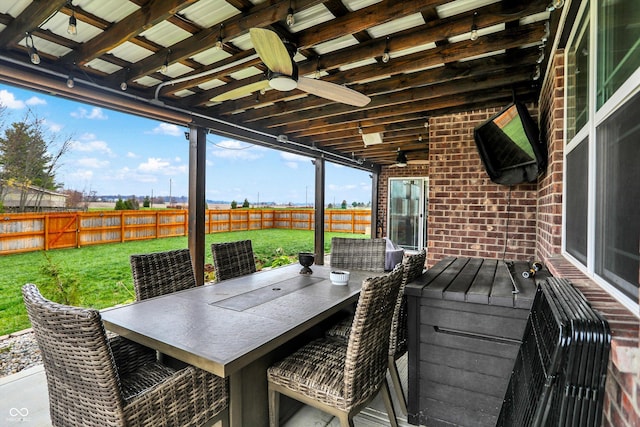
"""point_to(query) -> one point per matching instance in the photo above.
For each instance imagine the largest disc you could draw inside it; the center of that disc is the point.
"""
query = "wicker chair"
(413, 268)
(94, 381)
(339, 377)
(233, 259)
(161, 273)
(358, 254)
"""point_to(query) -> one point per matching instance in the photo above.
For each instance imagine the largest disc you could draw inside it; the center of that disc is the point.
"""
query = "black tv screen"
(510, 147)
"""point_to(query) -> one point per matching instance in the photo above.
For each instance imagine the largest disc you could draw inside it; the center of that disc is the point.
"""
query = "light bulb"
(72, 28)
(541, 57)
(558, 3)
(290, 19)
(219, 45)
(123, 86)
(385, 57)
(474, 33)
(536, 73)
(164, 67)
(33, 55)
(70, 82)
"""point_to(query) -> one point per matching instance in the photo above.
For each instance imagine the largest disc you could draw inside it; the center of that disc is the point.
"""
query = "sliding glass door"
(407, 221)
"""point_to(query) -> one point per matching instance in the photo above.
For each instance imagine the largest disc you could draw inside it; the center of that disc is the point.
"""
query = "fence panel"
(43, 231)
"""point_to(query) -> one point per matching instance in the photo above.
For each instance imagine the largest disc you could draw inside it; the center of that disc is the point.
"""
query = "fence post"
(122, 226)
(46, 232)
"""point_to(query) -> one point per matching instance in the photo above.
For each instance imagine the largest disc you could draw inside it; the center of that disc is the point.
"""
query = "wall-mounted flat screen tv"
(510, 147)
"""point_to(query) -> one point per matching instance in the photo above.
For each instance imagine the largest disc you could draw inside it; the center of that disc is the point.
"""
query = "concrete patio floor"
(24, 402)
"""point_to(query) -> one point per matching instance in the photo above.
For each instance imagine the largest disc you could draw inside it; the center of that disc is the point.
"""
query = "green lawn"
(103, 273)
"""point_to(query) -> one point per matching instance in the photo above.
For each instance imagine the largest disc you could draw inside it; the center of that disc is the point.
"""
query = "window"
(618, 45)
(577, 201)
(578, 80)
(618, 193)
(602, 166)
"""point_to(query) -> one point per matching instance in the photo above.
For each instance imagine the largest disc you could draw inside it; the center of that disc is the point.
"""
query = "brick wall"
(549, 237)
(468, 214)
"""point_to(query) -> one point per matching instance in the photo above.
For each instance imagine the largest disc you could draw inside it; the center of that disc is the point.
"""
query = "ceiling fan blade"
(241, 91)
(333, 92)
(272, 51)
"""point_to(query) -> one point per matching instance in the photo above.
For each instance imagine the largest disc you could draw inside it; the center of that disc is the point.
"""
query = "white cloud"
(53, 127)
(132, 155)
(167, 129)
(91, 146)
(88, 136)
(8, 100)
(294, 157)
(93, 163)
(34, 100)
(291, 165)
(157, 165)
(231, 149)
(96, 113)
(81, 175)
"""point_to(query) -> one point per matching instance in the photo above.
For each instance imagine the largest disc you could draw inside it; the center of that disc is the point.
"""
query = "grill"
(560, 371)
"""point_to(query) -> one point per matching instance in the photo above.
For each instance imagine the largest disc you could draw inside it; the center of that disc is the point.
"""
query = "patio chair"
(94, 381)
(358, 254)
(340, 377)
(233, 259)
(413, 268)
(160, 273)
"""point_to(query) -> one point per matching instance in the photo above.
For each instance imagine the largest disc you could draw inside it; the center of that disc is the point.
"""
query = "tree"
(147, 202)
(234, 204)
(29, 157)
(344, 204)
(245, 204)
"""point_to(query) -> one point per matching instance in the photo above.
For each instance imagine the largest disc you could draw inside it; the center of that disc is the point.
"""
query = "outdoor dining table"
(238, 327)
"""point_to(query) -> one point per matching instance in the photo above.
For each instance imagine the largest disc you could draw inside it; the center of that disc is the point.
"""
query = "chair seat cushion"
(316, 370)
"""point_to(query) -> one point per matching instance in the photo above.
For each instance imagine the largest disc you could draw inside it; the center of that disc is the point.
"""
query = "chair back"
(233, 259)
(161, 273)
(368, 346)
(358, 254)
(83, 383)
(413, 268)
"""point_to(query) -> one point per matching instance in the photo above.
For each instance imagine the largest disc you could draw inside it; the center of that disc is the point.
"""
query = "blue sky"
(120, 154)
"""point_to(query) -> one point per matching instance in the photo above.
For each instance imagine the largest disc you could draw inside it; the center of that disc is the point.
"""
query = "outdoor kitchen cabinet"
(466, 319)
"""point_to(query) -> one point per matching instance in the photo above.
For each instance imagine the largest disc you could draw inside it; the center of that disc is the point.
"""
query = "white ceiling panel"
(396, 25)
(130, 52)
(104, 66)
(166, 34)
(207, 13)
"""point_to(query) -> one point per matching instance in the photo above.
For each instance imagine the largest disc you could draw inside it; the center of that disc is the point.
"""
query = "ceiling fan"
(402, 161)
(282, 73)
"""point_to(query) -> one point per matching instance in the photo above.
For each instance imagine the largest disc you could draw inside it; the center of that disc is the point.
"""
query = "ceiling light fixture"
(123, 85)
(219, 42)
(70, 82)
(72, 28)
(555, 4)
(31, 49)
(317, 73)
(385, 56)
(474, 28)
(401, 159)
(290, 18)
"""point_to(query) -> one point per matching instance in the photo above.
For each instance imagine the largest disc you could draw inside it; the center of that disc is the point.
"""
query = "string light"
(33, 52)
(541, 56)
(70, 81)
(536, 73)
(290, 18)
(474, 28)
(165, 65)
(219, 42)
(385, 56)
(72, 28)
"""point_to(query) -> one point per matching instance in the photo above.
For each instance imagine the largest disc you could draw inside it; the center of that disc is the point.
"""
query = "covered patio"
(432, 70)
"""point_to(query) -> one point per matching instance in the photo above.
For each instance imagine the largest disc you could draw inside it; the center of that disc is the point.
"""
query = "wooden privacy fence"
(44, 231)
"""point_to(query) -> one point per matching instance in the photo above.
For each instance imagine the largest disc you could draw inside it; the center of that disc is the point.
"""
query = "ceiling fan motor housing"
(283, 82)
